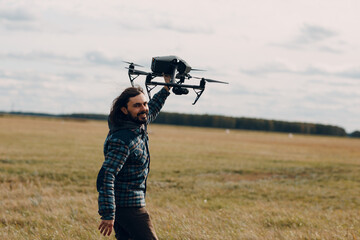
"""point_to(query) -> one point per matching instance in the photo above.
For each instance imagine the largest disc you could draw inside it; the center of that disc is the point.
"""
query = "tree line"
(218, 121)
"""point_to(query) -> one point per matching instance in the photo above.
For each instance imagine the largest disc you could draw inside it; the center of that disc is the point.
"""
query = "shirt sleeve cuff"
(164, 92)
(107, 218)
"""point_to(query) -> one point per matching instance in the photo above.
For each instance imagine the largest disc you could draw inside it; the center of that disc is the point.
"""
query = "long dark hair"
(116, 115)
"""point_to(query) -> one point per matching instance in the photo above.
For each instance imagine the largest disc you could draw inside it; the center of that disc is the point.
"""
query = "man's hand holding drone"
(167, 79)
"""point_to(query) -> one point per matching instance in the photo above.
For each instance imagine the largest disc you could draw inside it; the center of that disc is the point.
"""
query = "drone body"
(168, 64)
(173, 66)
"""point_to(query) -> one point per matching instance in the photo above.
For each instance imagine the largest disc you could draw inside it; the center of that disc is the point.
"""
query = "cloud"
(17, 19)
(38, 55)
(40, 91)
(93, 57)
(332, 98)
(17, 15)
(275, 68)
(329, 49)
(310, 34)
(28, 77)
(267, 69)
(101, 59)
(350, 73)
(314, 37)
(164, 24)
(12, 26)
(168, 25)
(133, 26)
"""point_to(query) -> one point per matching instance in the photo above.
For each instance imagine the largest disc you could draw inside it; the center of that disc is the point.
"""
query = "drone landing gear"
(200, 90)
(198, 94)
(149, 77)
(131, 74)
(178, 88)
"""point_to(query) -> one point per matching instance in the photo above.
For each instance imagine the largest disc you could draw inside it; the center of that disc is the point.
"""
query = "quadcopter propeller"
(133, 64)
(135, 71)
(211, 80)
(197, 70)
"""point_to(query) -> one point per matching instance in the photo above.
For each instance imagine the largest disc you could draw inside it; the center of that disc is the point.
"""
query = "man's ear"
(124, 110)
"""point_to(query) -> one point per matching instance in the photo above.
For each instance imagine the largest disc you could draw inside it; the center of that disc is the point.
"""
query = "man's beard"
(137, 119)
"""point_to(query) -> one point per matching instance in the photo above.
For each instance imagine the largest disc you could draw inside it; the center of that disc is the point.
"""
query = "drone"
(174, 67)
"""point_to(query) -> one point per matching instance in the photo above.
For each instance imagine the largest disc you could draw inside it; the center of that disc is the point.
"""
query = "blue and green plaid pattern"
(122, 178)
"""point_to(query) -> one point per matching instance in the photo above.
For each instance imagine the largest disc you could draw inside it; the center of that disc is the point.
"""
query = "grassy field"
(203, 184)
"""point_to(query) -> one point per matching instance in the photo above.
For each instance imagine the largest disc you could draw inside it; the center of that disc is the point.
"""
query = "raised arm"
(157, 102)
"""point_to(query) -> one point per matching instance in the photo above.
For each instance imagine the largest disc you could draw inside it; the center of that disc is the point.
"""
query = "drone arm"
(133, 74)
(174, 85)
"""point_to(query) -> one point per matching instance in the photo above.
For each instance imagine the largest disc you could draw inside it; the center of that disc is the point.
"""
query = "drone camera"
(180, 91)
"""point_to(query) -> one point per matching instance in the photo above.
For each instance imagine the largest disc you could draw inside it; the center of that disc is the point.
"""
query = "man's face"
(137, 109)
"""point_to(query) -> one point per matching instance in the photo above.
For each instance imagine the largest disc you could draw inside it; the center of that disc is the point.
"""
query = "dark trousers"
(134, 224)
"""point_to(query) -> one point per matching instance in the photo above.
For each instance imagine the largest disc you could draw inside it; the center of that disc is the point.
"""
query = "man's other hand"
(167, 79)
(106, 227)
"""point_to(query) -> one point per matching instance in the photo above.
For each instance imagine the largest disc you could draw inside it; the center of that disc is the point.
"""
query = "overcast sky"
(284, 59)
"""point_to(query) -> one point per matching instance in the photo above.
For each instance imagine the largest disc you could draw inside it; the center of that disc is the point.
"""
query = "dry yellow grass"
(204, 183)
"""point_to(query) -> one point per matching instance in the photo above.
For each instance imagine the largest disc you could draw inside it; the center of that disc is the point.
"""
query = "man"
(121, 181)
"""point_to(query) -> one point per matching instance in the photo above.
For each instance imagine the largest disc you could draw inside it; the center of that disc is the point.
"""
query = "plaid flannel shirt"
(122, 178)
